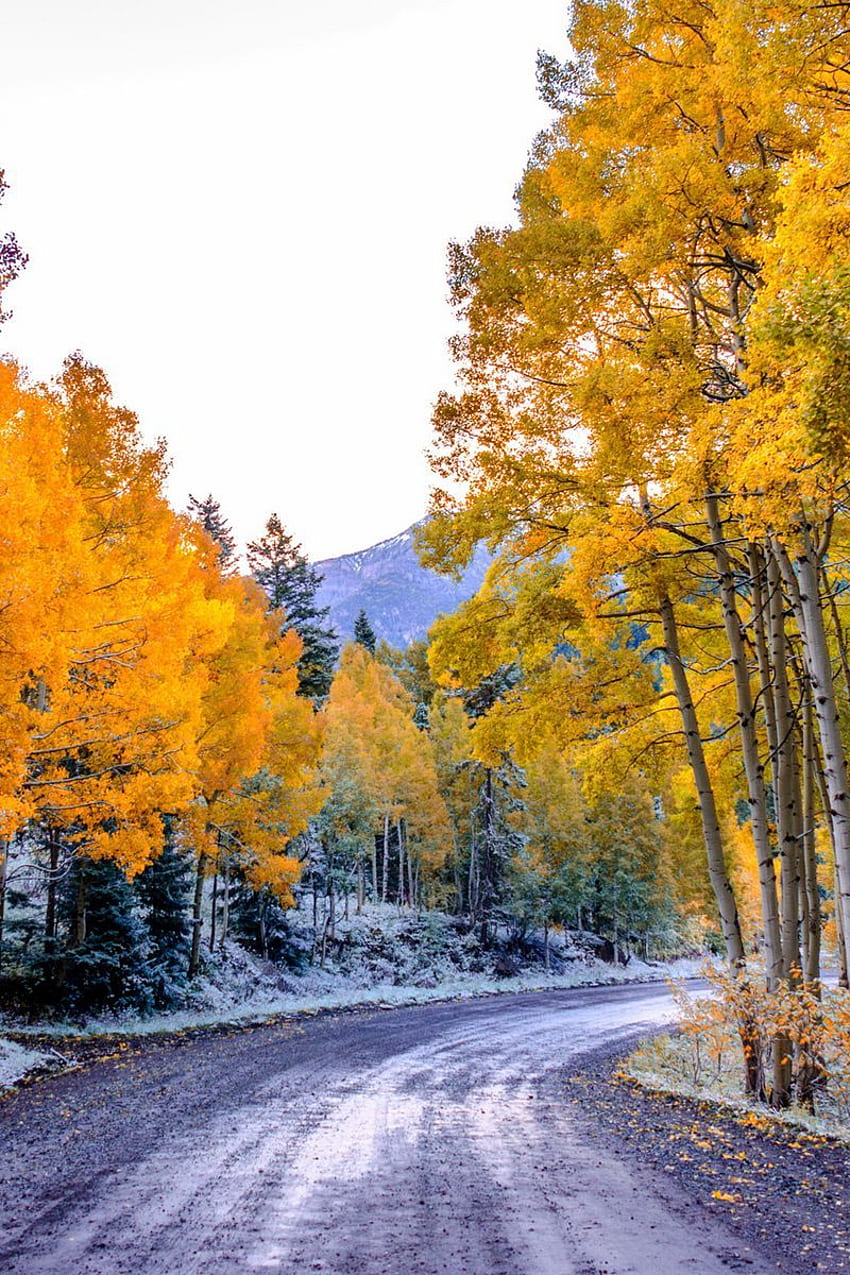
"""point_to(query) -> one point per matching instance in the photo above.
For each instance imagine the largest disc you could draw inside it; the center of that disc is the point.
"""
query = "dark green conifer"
(163, 890)
(101, 961)
(291, 583)
(208, 513)
(364, 633)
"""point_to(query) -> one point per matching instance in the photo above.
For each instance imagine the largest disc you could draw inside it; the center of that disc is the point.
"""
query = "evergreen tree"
(163, 889)
(280, 567)
(260, 925)
(364, 633)
(411, 668)
(208, 513)
(493, 837)
(101, 962)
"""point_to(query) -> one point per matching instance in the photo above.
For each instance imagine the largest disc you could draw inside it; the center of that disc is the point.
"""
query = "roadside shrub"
(729, 1034)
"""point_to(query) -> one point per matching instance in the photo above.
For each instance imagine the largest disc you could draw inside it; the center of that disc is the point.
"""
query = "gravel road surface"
(424, 1141)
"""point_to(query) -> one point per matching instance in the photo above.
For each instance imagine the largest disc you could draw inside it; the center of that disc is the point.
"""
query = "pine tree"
(259, 922)
(291, 583)
(208, 513)
(102, 960)
(163, 889)
(364, 633)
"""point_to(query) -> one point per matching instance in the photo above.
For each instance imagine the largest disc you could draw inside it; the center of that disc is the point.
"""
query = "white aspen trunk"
(197, 918)
(616, 930)
(720, 883)
(400, 864)
(839, 633)
(786, 784)
(4, 859)
(52, 880)
(827, 815)
(749, 748)
(841, 944)
(225, 900)
(801, 581)
(411, 879)
(386, 864)
(811, 895)
(761, 603)
(331, 894)
(213, 910)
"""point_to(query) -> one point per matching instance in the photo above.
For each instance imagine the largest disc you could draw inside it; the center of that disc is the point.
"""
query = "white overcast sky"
(240, 209)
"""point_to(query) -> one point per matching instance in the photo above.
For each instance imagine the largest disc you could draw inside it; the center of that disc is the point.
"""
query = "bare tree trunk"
(79, 933)
(786, 780)
(811, 894)
(197, 918)
(753, 771)
(213, 910)
(616, 928)
(52, 880)
(472, 883)
(332, 912)
(786, 786)
(487, 858)
(763, 598)
(400, 863)
(411, 879)
(374, 870)
(361, 885)
(839, 633)
(720, 883)
(801, 581)
(225, 901)
(386, 864)
(823, 791)
(331, 894)
(841, 944)
(4, 859)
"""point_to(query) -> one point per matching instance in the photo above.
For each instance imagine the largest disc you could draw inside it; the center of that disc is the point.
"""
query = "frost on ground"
(669, 1064)
(16, 1062)
(380, 957)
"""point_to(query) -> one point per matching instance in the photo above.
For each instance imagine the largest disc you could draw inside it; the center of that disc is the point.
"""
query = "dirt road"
(427, 1141)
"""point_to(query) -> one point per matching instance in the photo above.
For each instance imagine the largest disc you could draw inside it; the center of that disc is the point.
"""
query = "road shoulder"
(784, 1193)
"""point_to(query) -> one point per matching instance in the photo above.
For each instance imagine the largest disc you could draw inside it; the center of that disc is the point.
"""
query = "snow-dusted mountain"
(401, 597)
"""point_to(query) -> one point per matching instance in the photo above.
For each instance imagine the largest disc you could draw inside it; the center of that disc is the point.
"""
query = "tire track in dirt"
(426, 1141)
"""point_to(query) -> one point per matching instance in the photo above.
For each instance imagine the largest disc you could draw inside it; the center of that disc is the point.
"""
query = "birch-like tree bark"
(753, 769)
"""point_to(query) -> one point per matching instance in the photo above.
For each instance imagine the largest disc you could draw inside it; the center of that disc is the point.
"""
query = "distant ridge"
(401, 597)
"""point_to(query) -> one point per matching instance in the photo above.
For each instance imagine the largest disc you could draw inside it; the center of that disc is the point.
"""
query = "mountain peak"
(386, 580)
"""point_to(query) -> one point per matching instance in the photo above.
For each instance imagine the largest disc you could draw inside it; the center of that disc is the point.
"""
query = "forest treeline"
(185, 746)
(187, 750)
